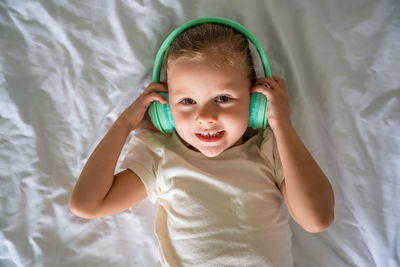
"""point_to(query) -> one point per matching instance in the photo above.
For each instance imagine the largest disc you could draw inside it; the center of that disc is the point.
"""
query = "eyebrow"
(226, 88)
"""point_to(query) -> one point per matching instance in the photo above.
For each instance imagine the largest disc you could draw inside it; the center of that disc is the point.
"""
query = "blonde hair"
(224, 45)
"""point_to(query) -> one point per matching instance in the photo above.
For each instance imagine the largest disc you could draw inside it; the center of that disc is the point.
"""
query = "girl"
(222, 188)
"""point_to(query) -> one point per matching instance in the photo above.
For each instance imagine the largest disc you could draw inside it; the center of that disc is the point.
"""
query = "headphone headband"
(216, 20)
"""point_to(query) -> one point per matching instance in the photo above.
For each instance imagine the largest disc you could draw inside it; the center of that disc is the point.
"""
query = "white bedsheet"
(68, 68)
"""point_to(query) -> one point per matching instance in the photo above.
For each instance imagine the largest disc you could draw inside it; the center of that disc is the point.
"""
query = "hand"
(274, 89)
(135, 115)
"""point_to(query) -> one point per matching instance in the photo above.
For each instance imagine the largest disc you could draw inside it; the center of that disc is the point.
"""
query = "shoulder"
(263, 134)
(268, 145)
(149, 140)
(268, 134)
(148, 137)
(268, 137)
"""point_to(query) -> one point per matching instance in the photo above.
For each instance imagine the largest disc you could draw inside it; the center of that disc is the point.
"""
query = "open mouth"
(211, 136)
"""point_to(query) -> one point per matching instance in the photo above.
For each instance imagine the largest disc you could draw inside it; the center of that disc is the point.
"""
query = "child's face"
(204, 99)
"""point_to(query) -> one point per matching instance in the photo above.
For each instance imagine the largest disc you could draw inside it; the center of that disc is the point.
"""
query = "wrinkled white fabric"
(68, 69)
(220, 211)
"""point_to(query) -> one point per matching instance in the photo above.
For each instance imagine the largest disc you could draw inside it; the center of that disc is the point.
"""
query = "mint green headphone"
(161, 115)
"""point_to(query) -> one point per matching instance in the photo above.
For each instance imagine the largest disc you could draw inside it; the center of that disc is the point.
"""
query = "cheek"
(239, 112)
(237, 116)
(179, 115)
(181, 119)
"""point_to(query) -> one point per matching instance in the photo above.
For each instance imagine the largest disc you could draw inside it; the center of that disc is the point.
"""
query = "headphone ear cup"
(258, 111)
(161, 115)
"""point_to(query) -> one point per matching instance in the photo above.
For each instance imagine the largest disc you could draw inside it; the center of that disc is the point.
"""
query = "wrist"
(282, 127)
(122, 122)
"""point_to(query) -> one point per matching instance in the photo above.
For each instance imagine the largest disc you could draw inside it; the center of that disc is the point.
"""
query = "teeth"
(210, 134)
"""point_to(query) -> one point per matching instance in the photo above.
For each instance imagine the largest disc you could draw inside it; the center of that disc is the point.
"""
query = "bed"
(69, 68)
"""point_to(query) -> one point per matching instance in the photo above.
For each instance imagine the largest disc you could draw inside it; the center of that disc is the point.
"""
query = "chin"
(211, 152)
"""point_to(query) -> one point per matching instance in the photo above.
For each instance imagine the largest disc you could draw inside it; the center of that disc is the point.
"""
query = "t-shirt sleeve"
(142, 156)
(269, 151)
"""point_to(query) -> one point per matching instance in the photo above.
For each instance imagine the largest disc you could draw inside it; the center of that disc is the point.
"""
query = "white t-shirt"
(220, 211)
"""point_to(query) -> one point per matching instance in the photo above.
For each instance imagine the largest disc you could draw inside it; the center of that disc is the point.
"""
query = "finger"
(155, 87)
(263, 79)
(260, 81)
(269, 81)
(263, 82)
(159, 87)
(147, 99)
(272, 83)
(261, 89)
(280, 81)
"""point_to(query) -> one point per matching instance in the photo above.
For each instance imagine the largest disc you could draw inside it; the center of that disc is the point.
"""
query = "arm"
(306, 190)
(98, 192)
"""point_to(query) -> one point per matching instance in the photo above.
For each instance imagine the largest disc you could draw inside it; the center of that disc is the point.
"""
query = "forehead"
(185, 76)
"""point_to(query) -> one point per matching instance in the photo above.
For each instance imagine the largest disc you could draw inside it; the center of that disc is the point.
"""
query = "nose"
(206, 115)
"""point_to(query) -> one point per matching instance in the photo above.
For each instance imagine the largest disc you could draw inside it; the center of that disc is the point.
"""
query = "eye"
(223, 98)
(187, 101)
